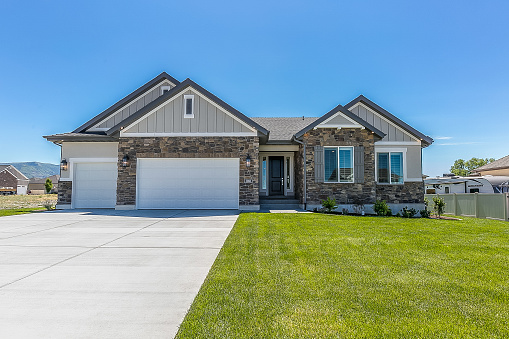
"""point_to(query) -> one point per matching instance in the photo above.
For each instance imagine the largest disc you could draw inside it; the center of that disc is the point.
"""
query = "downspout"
(304, 170)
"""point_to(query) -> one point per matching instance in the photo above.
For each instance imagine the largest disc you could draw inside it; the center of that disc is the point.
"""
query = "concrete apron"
(104, 274)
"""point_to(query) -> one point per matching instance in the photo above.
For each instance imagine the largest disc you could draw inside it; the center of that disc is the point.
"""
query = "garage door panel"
(95, 185)
(188, 183)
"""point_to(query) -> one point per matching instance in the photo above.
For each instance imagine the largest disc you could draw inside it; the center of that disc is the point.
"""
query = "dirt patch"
(27, 201)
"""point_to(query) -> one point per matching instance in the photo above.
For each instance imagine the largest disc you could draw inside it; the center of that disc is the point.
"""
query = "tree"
(48, 185)
(464, 168)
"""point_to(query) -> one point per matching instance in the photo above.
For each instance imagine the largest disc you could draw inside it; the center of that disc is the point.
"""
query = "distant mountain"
(37, 169)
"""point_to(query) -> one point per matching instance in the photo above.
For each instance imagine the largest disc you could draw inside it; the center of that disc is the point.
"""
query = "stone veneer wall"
(64, 192)
(344, 193)
(189, 147)
(409, 192)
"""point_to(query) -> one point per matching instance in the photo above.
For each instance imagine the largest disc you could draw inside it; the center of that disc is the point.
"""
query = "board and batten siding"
(393, 132)
(208, 118)
(133, 107)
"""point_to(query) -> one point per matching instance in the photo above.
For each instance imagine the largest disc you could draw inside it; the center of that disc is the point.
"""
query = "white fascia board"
(96, 129)
(339, 126)
(344, 116)
(195, 92)
(397, 143)
(384, 119)
(198, 134)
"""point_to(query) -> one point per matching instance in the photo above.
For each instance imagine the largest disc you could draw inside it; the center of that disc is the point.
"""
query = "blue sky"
(441, 66)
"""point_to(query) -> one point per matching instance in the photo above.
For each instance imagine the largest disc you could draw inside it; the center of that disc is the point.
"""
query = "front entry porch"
(277, 175)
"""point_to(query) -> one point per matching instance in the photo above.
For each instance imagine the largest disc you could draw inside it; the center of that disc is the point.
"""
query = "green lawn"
(17, 211)
(327, 276)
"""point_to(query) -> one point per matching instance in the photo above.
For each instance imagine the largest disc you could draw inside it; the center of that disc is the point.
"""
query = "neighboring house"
(38, 185)
(172, 144)
(498, 167)
(12, 181)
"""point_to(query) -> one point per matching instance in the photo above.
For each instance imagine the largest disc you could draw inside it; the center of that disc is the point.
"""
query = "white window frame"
(186, 97)
(339, 176)
(165, 88)
(390, 150)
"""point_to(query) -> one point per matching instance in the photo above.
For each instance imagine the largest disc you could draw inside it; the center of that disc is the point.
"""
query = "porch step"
(279, 207)
(279, 204)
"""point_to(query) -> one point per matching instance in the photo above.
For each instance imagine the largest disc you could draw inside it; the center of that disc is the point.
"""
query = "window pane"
(264, 173)
(189, 106)
(383, 167)
(287, 173)
(345, 165)
(397, 167)
(331, 164)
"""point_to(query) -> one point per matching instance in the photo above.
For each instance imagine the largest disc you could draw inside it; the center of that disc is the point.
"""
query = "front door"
(276, 176)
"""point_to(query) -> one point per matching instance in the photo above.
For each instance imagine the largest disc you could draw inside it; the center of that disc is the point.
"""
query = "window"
(188, 106)
(165, 89)
(447, 190)
(338, 164)
(287, 173)
(390, 168)
(264, 173)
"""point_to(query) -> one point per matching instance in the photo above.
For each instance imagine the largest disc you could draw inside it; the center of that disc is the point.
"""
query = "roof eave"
(361, 98)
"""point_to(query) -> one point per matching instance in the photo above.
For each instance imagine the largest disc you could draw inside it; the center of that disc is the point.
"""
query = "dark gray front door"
(276, 174)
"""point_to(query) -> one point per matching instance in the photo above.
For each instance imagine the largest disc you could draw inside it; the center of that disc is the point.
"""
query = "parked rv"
(456, 184)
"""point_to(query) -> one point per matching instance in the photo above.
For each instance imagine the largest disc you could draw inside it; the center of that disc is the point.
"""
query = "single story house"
(12, 181)
(38, 185)
(175, 145)
(498, 167)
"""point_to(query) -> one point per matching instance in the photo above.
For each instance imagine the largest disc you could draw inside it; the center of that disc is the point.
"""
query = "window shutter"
(319, 169)
(359, 164)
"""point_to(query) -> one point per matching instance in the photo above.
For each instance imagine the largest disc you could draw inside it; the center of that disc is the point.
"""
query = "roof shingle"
(283, 129)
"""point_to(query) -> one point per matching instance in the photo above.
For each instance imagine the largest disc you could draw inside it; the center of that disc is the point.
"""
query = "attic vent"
(165, 89)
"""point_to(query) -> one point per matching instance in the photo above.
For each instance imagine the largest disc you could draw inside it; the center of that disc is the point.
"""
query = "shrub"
(48, 185)
(408, 213)
(438, 205)
(329, 204)
(425, 213)
(381, 208)
(345, 211)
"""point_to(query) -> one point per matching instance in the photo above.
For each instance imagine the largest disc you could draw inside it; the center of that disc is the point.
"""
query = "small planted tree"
(425, 212)
(438, 206)
(48, 185)
(329, 204)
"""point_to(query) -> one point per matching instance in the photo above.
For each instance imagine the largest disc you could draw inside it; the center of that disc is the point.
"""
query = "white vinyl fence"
(478, 205)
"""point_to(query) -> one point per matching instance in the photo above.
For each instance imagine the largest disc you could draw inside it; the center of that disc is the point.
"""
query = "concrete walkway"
(104, 274)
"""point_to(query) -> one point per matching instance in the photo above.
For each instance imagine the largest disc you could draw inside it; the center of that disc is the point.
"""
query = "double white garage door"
(201, 183)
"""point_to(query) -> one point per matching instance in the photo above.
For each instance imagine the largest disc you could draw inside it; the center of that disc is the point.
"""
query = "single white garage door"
(207, 183)
(95, 185)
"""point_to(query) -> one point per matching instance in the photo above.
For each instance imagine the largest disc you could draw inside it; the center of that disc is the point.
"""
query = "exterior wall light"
(248, 161)
(125, 161)
(63, 165)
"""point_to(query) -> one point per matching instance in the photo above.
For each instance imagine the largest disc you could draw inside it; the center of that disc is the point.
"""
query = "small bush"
(345, 211)
(381, 208)
(408, 213)
(329, 204)
(424, 213)
(438, 205)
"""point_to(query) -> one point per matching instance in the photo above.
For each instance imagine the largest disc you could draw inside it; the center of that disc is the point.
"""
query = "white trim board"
(197, 134)
(195, 92)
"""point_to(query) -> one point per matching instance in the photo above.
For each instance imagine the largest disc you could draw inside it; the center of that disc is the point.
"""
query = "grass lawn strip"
(4, 213)
(326, 276)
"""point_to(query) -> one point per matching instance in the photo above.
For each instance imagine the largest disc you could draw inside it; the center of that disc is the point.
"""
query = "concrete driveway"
(104, 274)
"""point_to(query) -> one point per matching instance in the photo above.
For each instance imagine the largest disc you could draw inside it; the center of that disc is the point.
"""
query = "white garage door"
(206, 183)
(95, 185)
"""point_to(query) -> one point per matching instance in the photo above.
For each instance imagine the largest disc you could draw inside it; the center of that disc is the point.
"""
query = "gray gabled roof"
(131, 97)
(14, 171)
(346, 112)
(497, 164)
(283, 129)
(172, 93)
(101, 137)
(361, 98)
